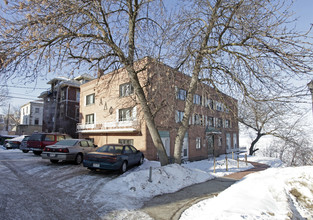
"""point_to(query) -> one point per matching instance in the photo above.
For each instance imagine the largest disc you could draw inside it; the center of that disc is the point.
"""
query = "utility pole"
(8, 119)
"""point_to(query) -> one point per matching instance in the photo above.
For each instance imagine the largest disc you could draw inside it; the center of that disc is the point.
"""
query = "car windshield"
(67, 142)
(111, 149)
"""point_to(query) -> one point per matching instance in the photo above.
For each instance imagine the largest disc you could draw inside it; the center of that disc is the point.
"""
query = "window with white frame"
(126, 114)
(227, 123)
(179, 116)
(36, 121)
(197, 119)
(90, 119)
(36, 110)
(90, 99)
(235, 140)
(126, 141)
(210, 121)
(197, 99)
(198, 142)
(126, 89)
(219, 106)
(219, 123)
(181, 94)
(228, 141)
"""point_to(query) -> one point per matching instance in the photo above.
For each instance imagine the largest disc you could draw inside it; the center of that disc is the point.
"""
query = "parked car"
(68, 150)
(4, 137)
(23, 145)
(38, 141)
(113, 157)
(14, 143)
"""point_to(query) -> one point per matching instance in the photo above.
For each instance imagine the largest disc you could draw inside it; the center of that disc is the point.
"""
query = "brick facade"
(110, 113)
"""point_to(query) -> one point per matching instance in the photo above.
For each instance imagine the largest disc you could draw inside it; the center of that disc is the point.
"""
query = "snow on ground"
(276, 193)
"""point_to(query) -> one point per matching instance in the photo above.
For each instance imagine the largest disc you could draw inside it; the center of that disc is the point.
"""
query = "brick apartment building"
(61, 104)
(110, 113)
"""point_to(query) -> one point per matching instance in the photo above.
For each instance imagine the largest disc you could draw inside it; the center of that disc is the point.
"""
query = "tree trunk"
(156, 138)
(251, 149)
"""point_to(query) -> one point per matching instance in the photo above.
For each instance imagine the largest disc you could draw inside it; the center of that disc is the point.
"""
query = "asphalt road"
(33, 188)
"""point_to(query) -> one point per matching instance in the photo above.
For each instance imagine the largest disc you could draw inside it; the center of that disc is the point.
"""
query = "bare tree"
(99, 33)
(240, 47)
(281, 120)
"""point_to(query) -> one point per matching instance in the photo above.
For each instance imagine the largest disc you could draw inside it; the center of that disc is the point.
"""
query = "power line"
(24, 87)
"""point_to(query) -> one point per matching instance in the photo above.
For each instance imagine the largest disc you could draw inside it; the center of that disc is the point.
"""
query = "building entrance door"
(210, 141)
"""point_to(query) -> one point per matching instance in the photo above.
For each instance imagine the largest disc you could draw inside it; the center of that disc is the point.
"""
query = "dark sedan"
(113, 157)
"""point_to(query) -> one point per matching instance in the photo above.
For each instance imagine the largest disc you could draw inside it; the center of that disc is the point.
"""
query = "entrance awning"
(212, 131)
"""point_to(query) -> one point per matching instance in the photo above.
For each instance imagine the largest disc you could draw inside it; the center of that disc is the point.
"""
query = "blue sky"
(25, 93)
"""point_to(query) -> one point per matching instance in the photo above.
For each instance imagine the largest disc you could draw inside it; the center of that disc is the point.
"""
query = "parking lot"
(33, 188)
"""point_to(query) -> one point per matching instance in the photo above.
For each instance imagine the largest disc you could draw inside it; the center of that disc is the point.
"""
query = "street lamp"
(310, 86)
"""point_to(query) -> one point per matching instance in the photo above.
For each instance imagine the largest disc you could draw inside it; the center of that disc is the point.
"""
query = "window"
(90, 99)
(127, 150)
(77, 96)
(197, 99)
(36, 110)
(220, 140)
(227, 123)
(63, 94)
(49, 137)
(179, 116)
(198, 142)
(126, 114)
(60, 137)
(219, 106)
(90, 119)
(84, 144)
(209, 103)
(126, 141)
(181, 94)
(228, 141)
(210, 121)
(219, 123)
(126, 89)
(36, 121)
(197, 119)
(235, 140)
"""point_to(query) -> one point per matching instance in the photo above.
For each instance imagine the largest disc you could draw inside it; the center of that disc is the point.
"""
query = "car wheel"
(123, 167)
(141, 160)
(79, 159)
(37, 152)
(54, 161)
(25, 151)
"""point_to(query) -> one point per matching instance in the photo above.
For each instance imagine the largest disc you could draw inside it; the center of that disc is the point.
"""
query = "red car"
(38, 141)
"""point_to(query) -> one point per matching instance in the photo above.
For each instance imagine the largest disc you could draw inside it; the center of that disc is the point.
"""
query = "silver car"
(68, 150)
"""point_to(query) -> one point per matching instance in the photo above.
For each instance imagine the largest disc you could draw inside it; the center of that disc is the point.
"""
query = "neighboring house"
(110, 113)
(8, 125)
(61, 104)
(31, 117)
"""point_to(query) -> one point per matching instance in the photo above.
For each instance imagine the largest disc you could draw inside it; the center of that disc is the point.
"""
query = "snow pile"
(136, 187)
(276, 193)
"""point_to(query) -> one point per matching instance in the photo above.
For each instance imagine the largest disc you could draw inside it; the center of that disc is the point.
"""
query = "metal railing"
(109, 125)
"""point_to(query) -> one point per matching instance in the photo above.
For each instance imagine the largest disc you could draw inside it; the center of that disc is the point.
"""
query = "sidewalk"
(171, 206)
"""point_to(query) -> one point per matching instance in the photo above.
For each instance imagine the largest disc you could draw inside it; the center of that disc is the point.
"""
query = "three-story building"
(110, 112)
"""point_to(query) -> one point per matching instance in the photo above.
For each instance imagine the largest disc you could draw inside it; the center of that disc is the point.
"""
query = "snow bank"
(136, 187)
(276, 193)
